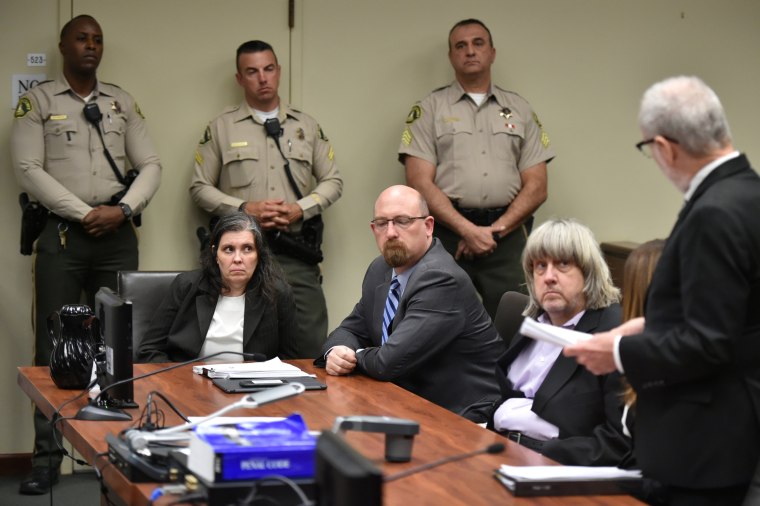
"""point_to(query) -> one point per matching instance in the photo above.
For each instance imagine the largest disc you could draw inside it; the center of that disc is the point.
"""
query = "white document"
(274, 368)
(550, 333)
(569, 473)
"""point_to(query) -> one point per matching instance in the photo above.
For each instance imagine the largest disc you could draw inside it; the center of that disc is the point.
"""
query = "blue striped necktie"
(391, 305)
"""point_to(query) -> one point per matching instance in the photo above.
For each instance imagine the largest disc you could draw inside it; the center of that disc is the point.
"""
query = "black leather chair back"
(145, 290)
(509, 315)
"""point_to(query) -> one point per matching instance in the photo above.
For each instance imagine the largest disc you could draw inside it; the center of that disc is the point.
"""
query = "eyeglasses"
(645, 146)
(398, 221)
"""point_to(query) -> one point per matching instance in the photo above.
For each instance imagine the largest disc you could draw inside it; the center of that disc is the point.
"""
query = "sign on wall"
(21, 83)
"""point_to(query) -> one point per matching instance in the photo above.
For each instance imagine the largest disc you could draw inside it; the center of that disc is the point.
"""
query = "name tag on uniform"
(58, 117)
(240, 144)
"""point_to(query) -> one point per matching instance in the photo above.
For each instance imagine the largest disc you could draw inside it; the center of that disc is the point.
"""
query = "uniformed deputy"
(58, 158)
(239, 167)
(478, 154)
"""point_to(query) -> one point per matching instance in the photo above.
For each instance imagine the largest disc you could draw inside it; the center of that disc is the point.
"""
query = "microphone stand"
(139, 440)
(97, 411)
(492, 449)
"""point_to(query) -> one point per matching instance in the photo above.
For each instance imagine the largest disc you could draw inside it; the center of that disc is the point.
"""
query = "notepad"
(568, 480)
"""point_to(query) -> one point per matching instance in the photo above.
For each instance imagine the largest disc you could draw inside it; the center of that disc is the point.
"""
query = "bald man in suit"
(440, 344)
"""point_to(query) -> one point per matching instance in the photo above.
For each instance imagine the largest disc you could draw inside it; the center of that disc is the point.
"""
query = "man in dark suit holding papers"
(695, 361)
(550, 403)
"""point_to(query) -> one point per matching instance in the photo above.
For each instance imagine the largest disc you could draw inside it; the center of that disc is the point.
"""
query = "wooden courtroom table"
(442, 433)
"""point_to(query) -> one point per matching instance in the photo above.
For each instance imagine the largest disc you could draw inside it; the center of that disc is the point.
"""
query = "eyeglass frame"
(646, 142)
(382, 223)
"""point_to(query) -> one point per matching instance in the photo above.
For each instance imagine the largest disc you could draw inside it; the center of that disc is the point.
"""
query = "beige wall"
(18, 36)
(358, 66)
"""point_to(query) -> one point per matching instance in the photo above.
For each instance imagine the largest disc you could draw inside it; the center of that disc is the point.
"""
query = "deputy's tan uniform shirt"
(236, 162)
(58, 157)
(478, 152)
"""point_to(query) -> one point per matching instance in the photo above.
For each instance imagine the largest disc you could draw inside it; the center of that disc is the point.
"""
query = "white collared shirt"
(527, 373)
(706, 171)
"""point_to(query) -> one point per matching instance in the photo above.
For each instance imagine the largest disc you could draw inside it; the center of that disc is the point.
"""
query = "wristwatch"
(126, 210)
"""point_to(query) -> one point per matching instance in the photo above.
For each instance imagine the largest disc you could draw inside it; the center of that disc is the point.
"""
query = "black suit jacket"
(696, 367)
(181, 322)
(586, 408)
(442, 346)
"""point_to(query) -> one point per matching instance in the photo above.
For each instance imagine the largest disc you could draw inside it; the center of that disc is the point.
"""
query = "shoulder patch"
(206, 136)
(322, 134)
(138, 111)
(414, 114)
(23, 108)
(544, 135)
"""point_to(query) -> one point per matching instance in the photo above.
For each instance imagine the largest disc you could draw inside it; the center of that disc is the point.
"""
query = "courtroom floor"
(78, 489)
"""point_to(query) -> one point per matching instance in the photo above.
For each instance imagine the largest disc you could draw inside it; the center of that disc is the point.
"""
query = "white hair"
(684, 109)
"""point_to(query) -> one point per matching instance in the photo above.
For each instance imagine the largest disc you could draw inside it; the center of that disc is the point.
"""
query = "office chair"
(509, 314)
(145, 290)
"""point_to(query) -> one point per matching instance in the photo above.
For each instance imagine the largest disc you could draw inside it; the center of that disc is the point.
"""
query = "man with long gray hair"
(550, 403)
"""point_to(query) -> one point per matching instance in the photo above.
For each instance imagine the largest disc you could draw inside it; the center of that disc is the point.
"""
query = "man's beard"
(395, 253)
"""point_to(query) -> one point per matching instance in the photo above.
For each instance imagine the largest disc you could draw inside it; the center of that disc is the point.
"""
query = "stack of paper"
(567, 472)
(550, 333)
(274, 368)
(568, 480)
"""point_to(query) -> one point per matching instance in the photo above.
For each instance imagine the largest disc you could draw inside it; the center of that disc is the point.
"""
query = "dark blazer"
(696, 367)
(442, 345)
(586, 408)
(181, 322)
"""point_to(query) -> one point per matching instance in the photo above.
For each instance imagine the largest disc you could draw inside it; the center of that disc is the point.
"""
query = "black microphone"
(92, 113)
(273, 129)
(99, 413)
(493, 449)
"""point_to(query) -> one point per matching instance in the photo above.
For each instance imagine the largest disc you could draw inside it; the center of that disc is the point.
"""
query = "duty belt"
(481, 216)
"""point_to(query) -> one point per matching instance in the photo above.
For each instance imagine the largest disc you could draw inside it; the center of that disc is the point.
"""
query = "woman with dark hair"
(238, 301)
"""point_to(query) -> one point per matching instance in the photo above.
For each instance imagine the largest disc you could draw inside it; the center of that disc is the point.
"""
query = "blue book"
(253, 450)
